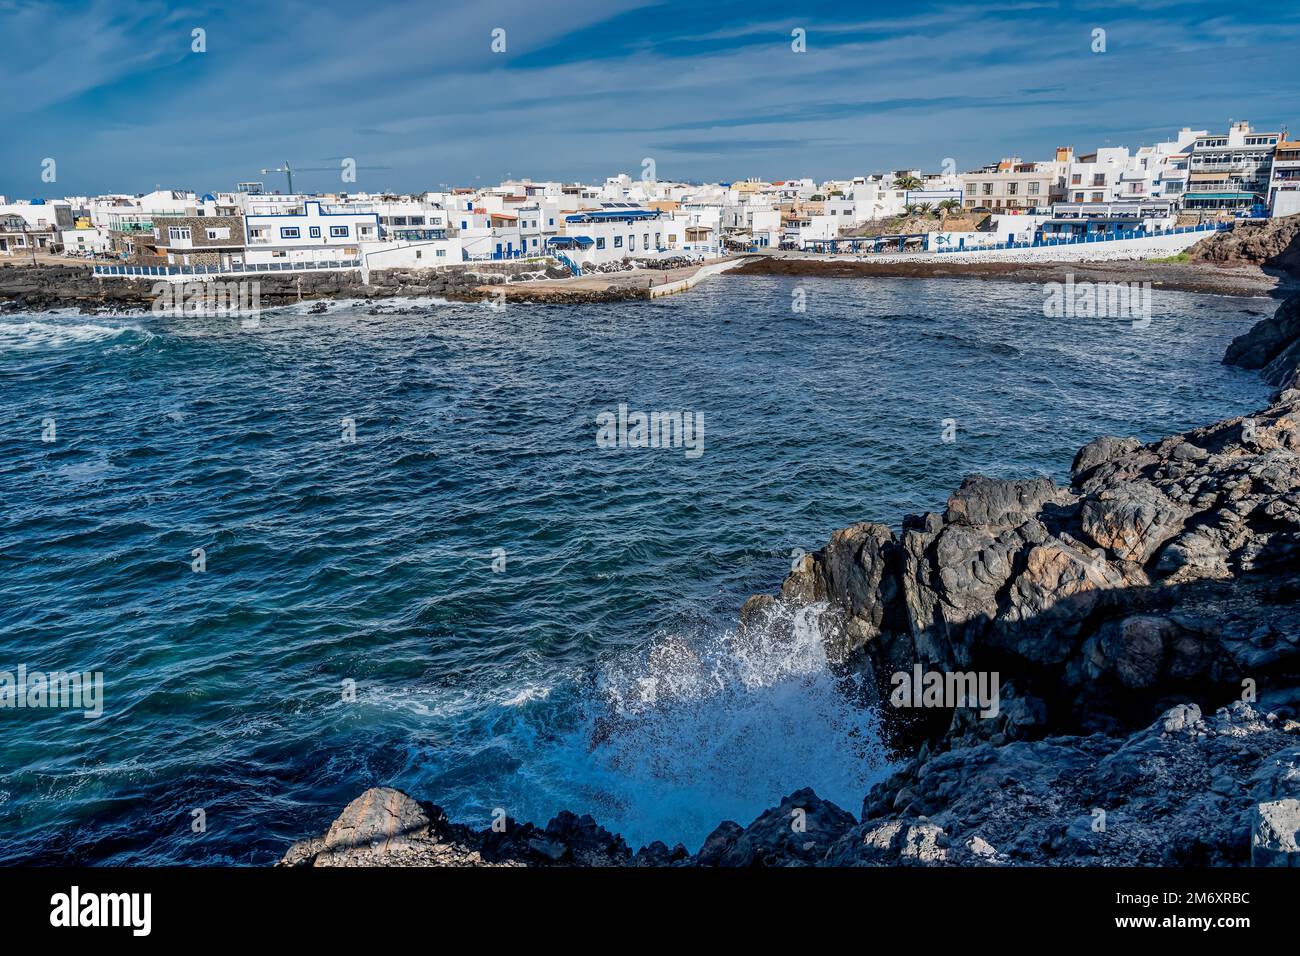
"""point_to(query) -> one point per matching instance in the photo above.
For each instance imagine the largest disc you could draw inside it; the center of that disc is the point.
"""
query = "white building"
(601, 236)
(36, 225)
(315, 234)
(86, 240)
(489, 235)
(1284, 181)
(411, 253)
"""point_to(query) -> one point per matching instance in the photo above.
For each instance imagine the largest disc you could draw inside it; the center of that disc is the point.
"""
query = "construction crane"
(289, 171)
(286, 169)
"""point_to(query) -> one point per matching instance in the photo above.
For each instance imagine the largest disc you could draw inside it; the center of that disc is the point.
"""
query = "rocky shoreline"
(47, 287)
(1244, 279)
(1143, 627)
(1253, 259)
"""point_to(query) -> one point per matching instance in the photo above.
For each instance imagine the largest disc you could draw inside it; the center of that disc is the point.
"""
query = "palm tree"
(925, 208)
(907, 182)
(910, 210)
(947, 207)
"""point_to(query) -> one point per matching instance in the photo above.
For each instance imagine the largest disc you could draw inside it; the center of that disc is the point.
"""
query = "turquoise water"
(596, 669)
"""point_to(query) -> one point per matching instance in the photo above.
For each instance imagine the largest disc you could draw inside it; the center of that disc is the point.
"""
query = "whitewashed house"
(314, 234)
(488, 235)
(601, 236)
(33, 226)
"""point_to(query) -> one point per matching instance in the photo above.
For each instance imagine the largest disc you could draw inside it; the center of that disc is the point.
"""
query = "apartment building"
(312, 233)
(1229, 173)
(1013, 185)
(1098, 177)
(1284, 181)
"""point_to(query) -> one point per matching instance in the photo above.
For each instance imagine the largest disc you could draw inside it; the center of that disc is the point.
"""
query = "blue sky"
(414, 93)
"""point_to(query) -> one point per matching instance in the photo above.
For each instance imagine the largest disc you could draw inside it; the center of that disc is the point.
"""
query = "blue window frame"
(339, 232)
(290, 232)
(315, 231)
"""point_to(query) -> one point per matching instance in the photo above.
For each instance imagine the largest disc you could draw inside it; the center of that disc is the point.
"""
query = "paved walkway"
(599, 282)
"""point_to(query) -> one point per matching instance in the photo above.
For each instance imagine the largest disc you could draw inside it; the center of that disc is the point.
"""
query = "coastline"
(1241, 280)
(1254, 263)
(1141, 621)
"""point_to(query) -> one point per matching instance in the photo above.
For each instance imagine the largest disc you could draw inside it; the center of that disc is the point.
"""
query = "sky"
(414, 92)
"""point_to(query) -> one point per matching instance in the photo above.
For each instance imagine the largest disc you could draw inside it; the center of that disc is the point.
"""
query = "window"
(1078, 197)
(551, 222)
(217, 234)
(464, 224)
(1097, 197)
(419, 254)
(1034, 188)
(1012, 188)
(988, 189)
(441, 252)
(1076, 179)
(290, 232)
(338, 232)
(314, 231)
(970, 189)
(618, 242)
(1099, 179)
(631, 243)
(257, 233)
(178, 232)
(600, 242)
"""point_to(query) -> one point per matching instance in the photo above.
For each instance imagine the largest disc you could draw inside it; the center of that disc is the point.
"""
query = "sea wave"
(32, 335)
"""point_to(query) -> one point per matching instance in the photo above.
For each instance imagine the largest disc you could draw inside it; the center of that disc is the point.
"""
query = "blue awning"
(569, 241)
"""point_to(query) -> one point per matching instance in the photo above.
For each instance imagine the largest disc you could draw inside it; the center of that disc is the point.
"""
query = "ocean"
(386, 544)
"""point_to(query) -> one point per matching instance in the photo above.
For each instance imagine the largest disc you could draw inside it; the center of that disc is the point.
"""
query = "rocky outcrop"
(1116, 664)
(1272, 346)
(1269, 243)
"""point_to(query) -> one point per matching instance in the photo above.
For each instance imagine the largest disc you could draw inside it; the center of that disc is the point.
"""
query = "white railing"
(165, 272)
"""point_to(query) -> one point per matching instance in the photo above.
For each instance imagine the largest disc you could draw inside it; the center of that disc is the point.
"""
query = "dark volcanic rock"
(1268, 340)
(1271, 243)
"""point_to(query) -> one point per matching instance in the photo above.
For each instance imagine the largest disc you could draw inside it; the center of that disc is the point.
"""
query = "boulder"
(1274, 832)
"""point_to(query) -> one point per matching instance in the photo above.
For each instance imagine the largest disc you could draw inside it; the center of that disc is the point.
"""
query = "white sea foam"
(667, 743)
(29, 335)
